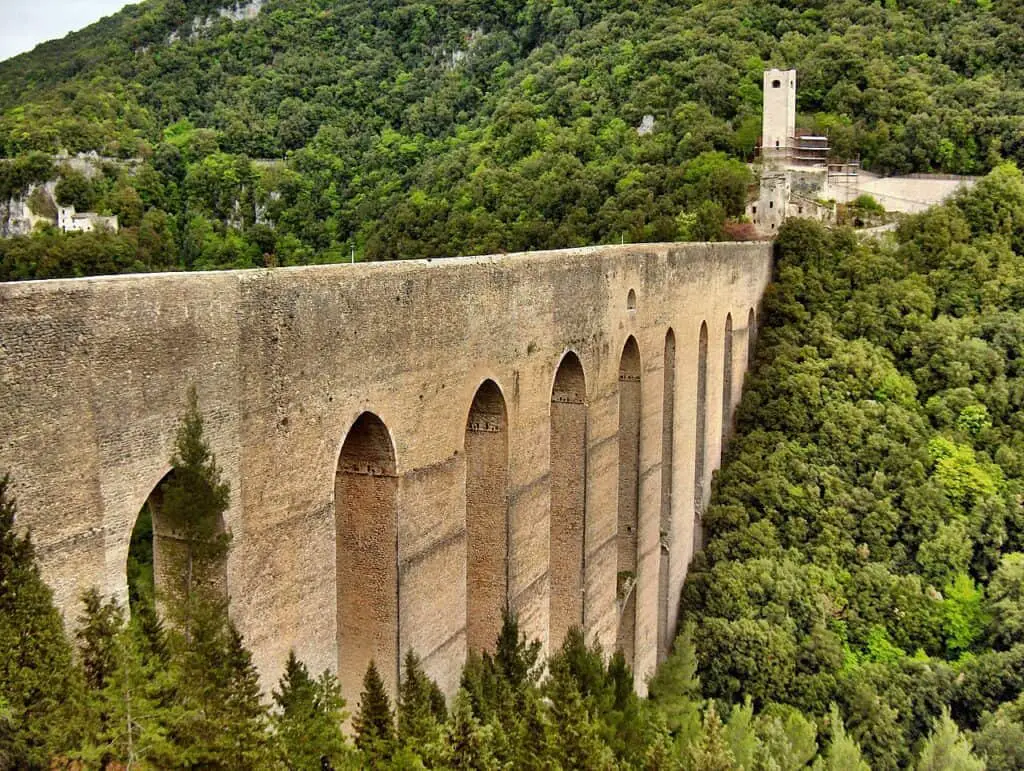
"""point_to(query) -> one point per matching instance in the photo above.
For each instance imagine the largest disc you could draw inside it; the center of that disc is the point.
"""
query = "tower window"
(776, 83)
(776, 142)
(771, 204)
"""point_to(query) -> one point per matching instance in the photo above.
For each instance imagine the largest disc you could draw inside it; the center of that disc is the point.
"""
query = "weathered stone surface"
(93, 379)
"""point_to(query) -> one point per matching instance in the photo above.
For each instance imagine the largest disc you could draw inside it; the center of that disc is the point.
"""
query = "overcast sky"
(26, 23)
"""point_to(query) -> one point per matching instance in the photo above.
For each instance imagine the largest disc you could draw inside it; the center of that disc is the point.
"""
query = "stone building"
(70, 221)
(794, 164)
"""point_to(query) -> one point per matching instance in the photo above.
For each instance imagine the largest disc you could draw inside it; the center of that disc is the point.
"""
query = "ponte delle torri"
(410, 446)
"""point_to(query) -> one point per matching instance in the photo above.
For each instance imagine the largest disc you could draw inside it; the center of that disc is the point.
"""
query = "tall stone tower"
(779, 120)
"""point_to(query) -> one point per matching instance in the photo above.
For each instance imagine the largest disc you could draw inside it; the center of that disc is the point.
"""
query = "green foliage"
(948, 750)
(1006, 600)
(374, 722)
(75, 189)
(966, 620)
(711, 752)
(308, 718)
(866, 203)
(1000, 740)
(38, 680)
(864, 527)
(843, 754)
(413, 130)
(193, 503)
(421, 709)
(675, 689)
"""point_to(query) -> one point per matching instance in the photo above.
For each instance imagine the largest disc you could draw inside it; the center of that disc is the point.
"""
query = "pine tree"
(135, 705)
(946, 749)
(244, 719)
(98, 627)
(221, 719)
(421, 710)
(675, 689)
(516, 658)
(468, 741)
(843, 752)
(194, 499)
(741, 736)
(41, 686)
(586, 667)
(308, 719)
(374, 723)
(577, 740)
(710, 752)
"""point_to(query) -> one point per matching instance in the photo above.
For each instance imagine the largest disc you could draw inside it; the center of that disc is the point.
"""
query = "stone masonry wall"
(94, 374)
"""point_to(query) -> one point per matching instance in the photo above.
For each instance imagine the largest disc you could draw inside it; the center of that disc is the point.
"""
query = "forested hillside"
(866, 534)
(409, 129)
(859, 603)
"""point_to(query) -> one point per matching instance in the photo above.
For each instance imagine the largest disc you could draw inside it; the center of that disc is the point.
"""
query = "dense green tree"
(948, 750)
(842, 754)
(675, 689)
(308, 718)
(194, 499)
(42, 687)
(421, 708)
(711, 751)
(1006, 600)
(374, 722)
(134, 705)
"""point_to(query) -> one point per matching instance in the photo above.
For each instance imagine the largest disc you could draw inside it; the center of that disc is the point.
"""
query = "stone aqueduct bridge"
(410, 446)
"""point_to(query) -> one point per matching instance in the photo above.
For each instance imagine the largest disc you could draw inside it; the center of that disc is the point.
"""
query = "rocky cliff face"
(20, 214)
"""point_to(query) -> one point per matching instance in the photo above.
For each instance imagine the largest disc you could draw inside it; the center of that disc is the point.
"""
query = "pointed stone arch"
(487, 525)
(667, 471)
(727, 363)
(700, 444)
(751, 338)
(568, 499)
(630, 389)
(157, 552)
(365, 501)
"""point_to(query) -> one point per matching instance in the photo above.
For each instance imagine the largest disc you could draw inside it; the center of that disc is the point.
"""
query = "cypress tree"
(41, 686)
(374, 723)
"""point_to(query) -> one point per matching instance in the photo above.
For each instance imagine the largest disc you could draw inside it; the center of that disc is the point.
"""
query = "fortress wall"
(94, 373)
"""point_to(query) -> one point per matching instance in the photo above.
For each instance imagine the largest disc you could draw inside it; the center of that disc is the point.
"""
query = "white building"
(70, 221)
